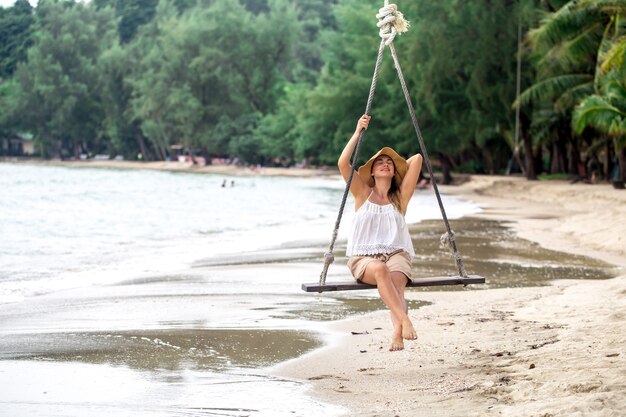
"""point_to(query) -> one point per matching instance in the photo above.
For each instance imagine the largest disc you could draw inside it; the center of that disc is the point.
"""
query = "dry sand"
(542, 351)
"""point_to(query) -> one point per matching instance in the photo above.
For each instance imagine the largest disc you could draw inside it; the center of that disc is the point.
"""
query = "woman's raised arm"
(410, 179)
(358, 187)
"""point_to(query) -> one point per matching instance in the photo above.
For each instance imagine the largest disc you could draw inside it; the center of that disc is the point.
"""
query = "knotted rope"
(390, 23)
(447, 242)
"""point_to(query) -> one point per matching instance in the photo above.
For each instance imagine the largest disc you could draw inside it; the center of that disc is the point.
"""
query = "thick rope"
(449, 236)
(390, 22)
(328, 256)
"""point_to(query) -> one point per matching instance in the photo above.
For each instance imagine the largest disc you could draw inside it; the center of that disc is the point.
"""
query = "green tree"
(567, 50)
(59, 95)
(314, 16)
(148, 82)
(15, 36)
(132, 14)
(118, 126)
(194, 80)
(461, 68)
(605, 111)
(462, 95)
(278, 132)
(9, 94)
(327, 115)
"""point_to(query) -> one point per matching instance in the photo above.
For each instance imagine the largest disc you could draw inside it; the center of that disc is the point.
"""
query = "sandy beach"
(225, 169)
(538, 351)
(532, 350)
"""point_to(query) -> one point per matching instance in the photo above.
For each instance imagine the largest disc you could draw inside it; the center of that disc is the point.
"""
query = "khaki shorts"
(398, 261)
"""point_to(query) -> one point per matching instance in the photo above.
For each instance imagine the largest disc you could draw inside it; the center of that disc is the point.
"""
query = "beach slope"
(556, 350)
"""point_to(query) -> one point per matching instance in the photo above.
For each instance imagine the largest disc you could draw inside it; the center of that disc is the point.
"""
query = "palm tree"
(567, 48)
(605, 112)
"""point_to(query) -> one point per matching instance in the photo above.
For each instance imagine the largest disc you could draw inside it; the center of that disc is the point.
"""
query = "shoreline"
(175, 166)
(576, 218)
(533, 351)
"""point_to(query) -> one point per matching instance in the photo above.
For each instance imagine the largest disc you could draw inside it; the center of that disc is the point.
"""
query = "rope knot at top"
(391, 22)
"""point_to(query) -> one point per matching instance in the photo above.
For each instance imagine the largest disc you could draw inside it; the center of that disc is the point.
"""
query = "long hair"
(394, 195)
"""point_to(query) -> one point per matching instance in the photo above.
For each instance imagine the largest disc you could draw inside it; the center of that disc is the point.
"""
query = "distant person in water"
(379, 245)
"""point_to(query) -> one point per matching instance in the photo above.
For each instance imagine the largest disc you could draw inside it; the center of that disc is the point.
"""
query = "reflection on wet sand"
(491, 249)
(488, 248)
(171, 349)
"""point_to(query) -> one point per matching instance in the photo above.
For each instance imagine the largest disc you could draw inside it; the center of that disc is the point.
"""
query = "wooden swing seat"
(415, 282)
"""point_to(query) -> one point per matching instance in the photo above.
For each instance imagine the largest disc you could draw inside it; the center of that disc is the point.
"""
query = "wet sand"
(166, 346)
(554, 350)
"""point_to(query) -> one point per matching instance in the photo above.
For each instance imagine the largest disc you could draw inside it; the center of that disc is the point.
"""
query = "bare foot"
(396, 344)
(408, 332)
(396, 341)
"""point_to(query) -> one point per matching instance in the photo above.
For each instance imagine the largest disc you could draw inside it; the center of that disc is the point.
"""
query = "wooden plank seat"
(416, 282)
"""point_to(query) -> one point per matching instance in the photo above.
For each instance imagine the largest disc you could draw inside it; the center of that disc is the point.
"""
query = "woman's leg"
(377, 273)
(400, 281)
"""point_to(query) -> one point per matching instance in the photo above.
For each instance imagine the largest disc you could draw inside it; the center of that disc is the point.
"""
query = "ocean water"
(64, 228)
(146, 293)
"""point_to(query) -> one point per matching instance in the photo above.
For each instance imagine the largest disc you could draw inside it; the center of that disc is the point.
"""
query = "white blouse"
(378, 229)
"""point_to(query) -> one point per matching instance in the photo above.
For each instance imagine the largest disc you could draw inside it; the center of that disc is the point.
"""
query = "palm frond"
(552, 88)
(572, 97)
(607, 6)
(563, 25)
(595, 111)
(543, 123)
(576, 32)
(614, 91)
(574, 54)
(613, 59)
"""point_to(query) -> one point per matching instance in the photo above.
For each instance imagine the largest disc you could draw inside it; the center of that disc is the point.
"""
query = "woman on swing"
(379, 245)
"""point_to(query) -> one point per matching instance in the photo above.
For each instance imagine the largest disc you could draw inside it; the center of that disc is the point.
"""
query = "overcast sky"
(9, 3)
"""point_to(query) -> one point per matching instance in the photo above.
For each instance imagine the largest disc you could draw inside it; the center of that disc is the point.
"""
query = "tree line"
(283, 81)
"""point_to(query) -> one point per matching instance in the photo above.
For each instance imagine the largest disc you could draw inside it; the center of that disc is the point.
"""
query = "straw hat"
(365, 170)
